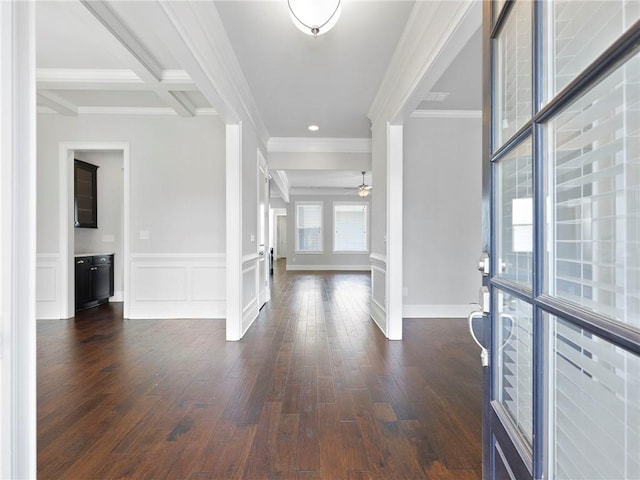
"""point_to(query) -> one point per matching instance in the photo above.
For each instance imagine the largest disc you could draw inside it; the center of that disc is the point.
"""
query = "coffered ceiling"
(115, 58)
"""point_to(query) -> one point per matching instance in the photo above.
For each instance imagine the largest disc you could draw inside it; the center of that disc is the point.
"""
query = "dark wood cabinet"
(94, 280)
(85, 177)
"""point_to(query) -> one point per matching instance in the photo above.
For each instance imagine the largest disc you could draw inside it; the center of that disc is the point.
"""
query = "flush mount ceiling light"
(364, 190)
(314, 17)
(313, 128)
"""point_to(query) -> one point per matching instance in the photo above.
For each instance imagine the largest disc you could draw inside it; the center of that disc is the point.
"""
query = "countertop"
(91, 254)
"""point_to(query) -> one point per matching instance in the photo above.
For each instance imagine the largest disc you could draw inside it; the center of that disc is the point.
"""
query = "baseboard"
(248, 318)
(168, 310)
(313, 268)
(437, 311)
(118, 296)
(379, 316)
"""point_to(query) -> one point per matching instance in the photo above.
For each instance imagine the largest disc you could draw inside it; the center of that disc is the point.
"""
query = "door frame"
(66, 152)
(534, 463)
(278, 231)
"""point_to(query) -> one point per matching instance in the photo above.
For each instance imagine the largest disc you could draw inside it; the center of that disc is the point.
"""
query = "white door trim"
(65, 220)
(394, 277)
(17, 240)
(234, 231)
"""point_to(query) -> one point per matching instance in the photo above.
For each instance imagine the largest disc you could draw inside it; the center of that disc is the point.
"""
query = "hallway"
(313, 391)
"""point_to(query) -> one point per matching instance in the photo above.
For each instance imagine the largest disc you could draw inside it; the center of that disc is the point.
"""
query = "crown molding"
(318, 145)
(325, 191)
(207, 55)
(280, 179)
(432, 26)
(199, 112)
(446, 114)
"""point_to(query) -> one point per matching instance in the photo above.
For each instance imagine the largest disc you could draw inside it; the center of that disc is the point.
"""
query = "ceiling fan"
(364, 190)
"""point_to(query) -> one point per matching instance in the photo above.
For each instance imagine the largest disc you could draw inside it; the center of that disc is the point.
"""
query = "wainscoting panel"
(178, 286)
(47, 288)
(160, 283)
(378, 291)
(207, 284)
(250, 281)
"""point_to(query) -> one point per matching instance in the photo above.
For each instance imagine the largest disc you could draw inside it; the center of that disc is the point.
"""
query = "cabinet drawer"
(80, 261)
(102, 260)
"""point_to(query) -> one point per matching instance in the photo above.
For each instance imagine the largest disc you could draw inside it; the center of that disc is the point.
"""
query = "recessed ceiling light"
(313, 128)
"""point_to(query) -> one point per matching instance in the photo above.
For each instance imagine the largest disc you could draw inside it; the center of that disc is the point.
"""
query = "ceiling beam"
(109, 79)
(434, 35)
(146, 67)
(355, 162)
(125, 36)
(319, 145)
(56, 103)
(195, 34)
(280, 180)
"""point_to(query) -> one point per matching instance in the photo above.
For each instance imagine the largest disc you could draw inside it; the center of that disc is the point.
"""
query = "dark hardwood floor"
(313, 391)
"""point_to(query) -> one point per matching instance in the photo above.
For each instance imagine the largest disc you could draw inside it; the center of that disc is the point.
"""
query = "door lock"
(483, 264)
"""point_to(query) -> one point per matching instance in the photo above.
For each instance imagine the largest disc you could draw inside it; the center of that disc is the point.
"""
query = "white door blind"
(596, 414)
(594, 211)
(309, 227)
(350, 222)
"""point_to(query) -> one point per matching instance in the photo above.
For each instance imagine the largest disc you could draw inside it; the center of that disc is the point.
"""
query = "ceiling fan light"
(314, 17)
(364, 190)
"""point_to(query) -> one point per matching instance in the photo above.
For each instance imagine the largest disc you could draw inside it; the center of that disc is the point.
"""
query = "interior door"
(282, 236)
(263, 233)
(562, 240)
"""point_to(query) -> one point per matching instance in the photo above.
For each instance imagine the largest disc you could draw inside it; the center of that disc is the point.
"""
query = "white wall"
(249, 190)
(177, 195)
(277, 202)
(327, 260)
(442, 215)
(108, 237)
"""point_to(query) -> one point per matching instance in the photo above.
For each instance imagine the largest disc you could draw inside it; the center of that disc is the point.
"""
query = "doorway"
(114, 159)
(281, 236)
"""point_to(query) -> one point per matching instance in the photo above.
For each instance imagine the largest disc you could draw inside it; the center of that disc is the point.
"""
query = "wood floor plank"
(313, 391)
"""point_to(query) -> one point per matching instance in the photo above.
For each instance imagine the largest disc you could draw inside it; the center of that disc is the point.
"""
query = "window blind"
(350, 228)
(596, 410)
(309, 227)
(594, 210)
(515, 354)
(581, 31)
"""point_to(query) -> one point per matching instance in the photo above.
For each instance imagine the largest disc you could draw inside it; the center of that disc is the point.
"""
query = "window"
(309, 227)
(350, 227)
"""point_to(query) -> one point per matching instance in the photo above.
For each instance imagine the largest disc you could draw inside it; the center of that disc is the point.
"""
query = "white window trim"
(295, 229)
(333, 230)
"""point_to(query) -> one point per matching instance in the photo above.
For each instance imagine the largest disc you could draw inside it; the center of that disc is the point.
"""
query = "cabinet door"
(101, 281)
(86, 195)
(83, 281)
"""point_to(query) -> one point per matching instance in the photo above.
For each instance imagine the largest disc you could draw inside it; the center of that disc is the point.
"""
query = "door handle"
(484, 353)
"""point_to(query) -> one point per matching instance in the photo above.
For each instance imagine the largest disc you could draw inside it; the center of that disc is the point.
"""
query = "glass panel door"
(594, 409)
(512, 76)
(562, 176)
(593, 210)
